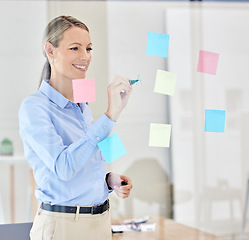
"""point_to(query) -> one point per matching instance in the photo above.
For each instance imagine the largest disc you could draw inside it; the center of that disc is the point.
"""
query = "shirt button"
(104, 127)
(97, 138)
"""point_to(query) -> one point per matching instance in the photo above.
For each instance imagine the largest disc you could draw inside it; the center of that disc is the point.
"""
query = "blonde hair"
(53, 34)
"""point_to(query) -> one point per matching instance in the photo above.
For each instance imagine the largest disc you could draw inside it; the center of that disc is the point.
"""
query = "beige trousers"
(67, 226)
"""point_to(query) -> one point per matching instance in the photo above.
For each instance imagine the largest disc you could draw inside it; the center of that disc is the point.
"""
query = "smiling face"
(72, 57)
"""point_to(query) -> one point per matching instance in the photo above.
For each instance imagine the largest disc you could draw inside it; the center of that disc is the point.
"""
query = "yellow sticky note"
(159, 135)
(165, 82)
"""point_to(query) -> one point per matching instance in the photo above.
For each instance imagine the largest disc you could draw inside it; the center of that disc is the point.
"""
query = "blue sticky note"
(157, 44)
(214, 120)
(112, 148)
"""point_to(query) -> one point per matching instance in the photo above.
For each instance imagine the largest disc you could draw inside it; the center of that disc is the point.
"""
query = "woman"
(60, 141)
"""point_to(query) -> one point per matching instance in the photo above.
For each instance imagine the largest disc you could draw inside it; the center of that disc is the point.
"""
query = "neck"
(65, 87)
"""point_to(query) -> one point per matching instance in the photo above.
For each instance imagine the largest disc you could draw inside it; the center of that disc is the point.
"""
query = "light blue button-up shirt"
(60, 142)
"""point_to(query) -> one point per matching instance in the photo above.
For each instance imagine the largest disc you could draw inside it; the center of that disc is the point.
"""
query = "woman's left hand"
(114, 181)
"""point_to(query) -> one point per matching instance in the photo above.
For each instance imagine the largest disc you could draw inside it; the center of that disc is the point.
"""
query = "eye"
(74, 48)
(89, 49)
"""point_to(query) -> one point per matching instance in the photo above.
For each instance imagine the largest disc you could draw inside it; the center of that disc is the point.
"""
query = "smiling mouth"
(80, 67)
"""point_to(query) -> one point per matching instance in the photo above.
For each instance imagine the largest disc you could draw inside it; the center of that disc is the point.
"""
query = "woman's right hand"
(118, 94)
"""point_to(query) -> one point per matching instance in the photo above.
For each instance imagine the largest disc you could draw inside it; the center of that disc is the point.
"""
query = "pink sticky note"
(208, 62)
(84, 90)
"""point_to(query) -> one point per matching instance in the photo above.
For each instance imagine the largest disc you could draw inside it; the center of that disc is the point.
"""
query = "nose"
(83, 59)
(84, 56)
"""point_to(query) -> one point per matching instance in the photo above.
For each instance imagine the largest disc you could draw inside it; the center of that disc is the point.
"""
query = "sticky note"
(84, 90)
(214, 120)
(165, 82)
(208, 62)
(157, 44)
(159, 135)
(112, 148)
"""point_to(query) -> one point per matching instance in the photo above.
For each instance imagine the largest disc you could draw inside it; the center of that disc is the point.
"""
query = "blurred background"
(201, 179)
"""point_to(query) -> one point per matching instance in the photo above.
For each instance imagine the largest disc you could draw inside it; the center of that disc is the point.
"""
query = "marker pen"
(133, 81)
(123, 183)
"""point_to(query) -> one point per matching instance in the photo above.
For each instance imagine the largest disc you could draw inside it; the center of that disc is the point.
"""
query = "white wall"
(21, 23)
(21, 60)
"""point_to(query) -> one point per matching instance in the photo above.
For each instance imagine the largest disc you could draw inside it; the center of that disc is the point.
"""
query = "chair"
(16, 231)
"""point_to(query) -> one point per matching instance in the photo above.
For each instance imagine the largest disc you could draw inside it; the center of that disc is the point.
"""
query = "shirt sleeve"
(37, 131)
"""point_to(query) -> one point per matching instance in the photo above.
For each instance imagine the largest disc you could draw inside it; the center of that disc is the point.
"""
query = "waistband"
(98, 209)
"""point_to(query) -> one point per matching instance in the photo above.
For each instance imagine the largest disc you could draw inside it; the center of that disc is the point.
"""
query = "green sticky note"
(159, 135)
(165, 82)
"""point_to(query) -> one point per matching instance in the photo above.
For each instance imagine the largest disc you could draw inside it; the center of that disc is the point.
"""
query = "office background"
(201, 179)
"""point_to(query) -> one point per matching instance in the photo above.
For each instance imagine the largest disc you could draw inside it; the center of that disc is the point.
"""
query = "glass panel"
(200, 180)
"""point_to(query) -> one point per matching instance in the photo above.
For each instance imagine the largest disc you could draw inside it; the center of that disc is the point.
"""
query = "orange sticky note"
(208, 62)
(84, 90)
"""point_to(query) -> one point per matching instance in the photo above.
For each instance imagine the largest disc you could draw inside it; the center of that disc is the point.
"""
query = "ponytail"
(46, 72)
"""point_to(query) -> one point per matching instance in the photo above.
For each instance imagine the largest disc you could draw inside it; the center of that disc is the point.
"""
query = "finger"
(121, 80)
(123, 191)
(120, 88)
(119, 189)
(127, 180)
(126, 187)
(123, 195)
(126, 195)
(125, 94)
(127, 83)
(119, 194)
(124, 85)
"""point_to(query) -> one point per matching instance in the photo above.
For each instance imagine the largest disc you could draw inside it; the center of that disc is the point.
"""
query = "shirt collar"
(53, 95)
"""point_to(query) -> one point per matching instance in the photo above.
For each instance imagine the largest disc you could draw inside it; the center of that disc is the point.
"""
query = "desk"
(166, 229)
(12, 162)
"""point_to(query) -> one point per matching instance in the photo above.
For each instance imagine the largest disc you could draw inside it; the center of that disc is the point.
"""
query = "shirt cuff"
(106, 180)
(100, 129)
